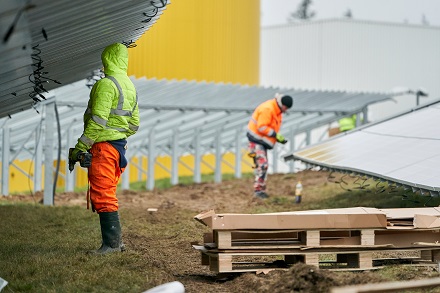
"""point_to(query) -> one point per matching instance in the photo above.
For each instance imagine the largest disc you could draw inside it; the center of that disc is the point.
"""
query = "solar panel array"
(403, 150)
(46, 44)
(187, 106)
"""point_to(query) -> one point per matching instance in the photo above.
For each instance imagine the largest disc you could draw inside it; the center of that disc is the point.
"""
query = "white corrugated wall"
(352, 55)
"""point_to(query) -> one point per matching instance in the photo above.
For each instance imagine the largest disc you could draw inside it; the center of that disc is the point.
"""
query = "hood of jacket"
(115, 59)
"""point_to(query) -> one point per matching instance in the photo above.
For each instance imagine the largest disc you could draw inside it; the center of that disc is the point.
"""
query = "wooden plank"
(223, 239)
(403, 238)
(388, 286)
(406, 238)
(312, 238)
(367, 237)
(354, 240)
(293, 251)
(225, 263)
(267, 234)
(220, 263)
(312, 259)
(358, 247)
(365, 260)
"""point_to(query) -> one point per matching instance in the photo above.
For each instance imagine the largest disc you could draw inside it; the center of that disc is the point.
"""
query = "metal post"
(308, 137)
(275, 159)
(48, 153)
(308, 141)
(175, 158)
(218, 158)
(365, 115)
(197, 157)
(238, 136)
(292, 150)
(151, 160)
(140, 160)
(125, 177)
(38, 176)
(358, 121)
(5, 159)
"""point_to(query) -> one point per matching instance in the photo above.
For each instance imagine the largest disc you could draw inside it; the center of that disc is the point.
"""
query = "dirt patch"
(177, 260)
(302, 278)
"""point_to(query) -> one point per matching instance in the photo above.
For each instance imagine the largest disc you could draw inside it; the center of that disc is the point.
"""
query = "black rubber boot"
(111, 233)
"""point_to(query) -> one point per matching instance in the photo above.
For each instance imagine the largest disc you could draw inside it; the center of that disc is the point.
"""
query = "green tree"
(303, 12)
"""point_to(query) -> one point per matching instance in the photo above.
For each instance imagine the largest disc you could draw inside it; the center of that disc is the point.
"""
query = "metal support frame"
(238, 155)
(197, 157)
(225, 129)
(48, 153)
(275, 159)
(38, 176)
(151, 160)
(5, 159)
(125, 177)
(292, 149)
(365, 115)
(218, 158)
(175, 157)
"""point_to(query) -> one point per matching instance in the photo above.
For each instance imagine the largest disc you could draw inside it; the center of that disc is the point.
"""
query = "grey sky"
(274, 12)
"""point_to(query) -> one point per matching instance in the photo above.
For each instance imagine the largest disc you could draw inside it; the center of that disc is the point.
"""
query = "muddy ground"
(233, 196)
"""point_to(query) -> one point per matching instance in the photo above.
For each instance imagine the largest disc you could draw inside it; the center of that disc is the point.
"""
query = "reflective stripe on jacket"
(112, 112)
(265, 123)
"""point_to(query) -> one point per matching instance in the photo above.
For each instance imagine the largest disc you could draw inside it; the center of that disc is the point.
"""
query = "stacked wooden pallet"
(339, 239)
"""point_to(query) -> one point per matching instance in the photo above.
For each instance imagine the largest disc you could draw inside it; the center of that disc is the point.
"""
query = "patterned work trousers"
(259, 154)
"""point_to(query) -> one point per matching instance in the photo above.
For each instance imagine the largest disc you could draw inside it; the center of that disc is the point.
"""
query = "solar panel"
(404, 150)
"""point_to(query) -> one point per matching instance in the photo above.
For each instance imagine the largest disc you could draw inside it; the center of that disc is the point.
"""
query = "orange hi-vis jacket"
(265, 123)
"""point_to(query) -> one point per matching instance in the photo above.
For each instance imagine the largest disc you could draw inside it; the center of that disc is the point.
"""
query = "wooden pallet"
(224, 250)
(254, 239)
(229, 261)
(248, 261)
(245, 239)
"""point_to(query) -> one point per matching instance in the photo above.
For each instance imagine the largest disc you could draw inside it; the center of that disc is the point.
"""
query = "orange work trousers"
(104, 174)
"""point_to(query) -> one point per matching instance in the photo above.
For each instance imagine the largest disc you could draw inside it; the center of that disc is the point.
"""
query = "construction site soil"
(180, 262)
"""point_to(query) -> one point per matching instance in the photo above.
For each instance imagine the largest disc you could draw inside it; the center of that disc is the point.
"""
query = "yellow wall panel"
(215, 41)
(18, 182)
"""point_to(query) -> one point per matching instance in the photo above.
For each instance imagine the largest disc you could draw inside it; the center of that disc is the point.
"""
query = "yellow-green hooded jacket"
(109, 115)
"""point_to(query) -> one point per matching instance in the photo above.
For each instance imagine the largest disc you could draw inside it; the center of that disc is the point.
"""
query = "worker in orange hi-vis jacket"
(263, 134)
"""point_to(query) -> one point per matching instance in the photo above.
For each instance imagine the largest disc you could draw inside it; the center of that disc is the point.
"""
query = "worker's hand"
(73, 158)
(281, 139)
(75, 155)
(85, 159)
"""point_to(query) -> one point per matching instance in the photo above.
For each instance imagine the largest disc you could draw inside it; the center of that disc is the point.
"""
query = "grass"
(42, 247)
(42, 250)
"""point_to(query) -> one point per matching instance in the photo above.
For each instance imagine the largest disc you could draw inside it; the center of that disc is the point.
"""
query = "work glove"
(281, 138)
(84, 158)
